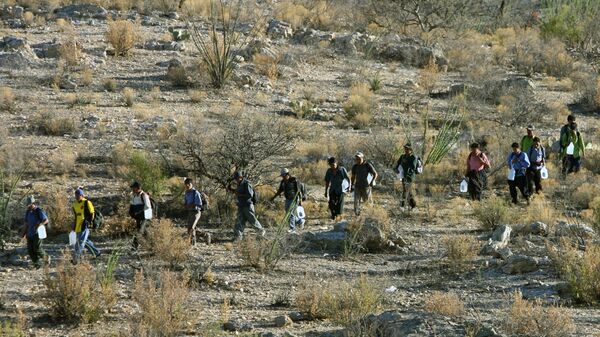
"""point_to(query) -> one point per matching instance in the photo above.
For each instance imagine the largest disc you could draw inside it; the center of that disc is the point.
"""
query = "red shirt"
(477, 163)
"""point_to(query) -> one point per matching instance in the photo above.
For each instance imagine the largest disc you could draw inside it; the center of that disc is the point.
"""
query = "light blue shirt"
(521, 165)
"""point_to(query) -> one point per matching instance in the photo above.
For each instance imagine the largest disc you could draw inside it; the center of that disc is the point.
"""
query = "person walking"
(139, 207)
(527, 140)
(246, 198)
(537, 160)
(409, 163)
(34, 218)
(518, 161)
(573, 150)
(477, 162)
(564, 132)
(192, 204)
(294, 195)
(84, 213)
(334, 190)
(360, 183)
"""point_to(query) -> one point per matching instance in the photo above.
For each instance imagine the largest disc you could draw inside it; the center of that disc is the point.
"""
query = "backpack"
(205, 203)
(153, 205)
(98, 219)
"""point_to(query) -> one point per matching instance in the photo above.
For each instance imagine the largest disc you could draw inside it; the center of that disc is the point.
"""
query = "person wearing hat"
(573, 150)
(564, 134)
(518, 161)
(246, 198)
(537, 159)
(527, 140)
(360, 183)
(138, 207)
(192, 204)
(294, 194)
(477, 162)
(334, 180)
(34, 218)
(409, 163)
(84, 212)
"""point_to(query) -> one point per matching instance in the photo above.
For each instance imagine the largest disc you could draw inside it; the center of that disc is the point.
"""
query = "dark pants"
(35, 250)
(336, 203)
(477, 181)
(140, 225)
(408, 195)
(571, 164)
(520, 182)
(534, 177)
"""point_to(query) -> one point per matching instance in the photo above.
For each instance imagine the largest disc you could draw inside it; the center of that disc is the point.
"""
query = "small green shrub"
(492, 212)
(49, 123)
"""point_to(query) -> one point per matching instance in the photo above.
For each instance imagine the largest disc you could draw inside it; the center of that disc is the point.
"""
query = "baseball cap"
(79, 191)
(284, 172)
(359, 154)
(135, 185)
(530, 127)
(30, 200)
(237, 174)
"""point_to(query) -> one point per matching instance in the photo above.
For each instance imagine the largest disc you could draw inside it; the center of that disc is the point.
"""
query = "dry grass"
(580, 269)
(128, 96)
(166, 242)
(447, 304)
(109, 85)
(295, 14)
(87, 77)
(70, 51)
(492, 212)
(341, 301)
(122, 35)
(178, 76)
(263, 254)
(49, 123)
(58, 208)
(360, 104)
(525, 318)
(267, 65)
(197, 96)
(460, 249)
(7, 99)
(585, 193)
(163, 304)
(62, 162)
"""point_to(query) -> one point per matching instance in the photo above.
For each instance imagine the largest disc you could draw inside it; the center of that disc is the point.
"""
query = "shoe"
(263, 233)
(302, 224)
(97, 255)
(291, 231)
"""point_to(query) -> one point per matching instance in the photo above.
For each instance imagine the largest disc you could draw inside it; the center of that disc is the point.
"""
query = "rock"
(374, 239)
(179, 34)
(487, 332)
(499, 240)
(256, 46)
(173, 15)
(13, 43)
(311, 36)
(12, 12)
(47, 50)
(164, 45)
(574, 230)
(395, 323)
(237, 325)
(520, 264)
(350, 44)
(17, 60)
(518, 83)
(502, 253)
(410, 51)
(502, 234)
(279, 29)
(81, 11)
(297, 316)
(333, 241)
(536, 228)
(282, 321)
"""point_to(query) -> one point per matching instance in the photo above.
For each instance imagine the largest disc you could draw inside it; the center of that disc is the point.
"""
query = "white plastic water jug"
(345, 185)
(41, 230)
(464, 186)
(400, 173)
(544, 172)
(571, 149)
(371, 180)
(300, 212)
(148, 214)
(511, 174)
(72, 238)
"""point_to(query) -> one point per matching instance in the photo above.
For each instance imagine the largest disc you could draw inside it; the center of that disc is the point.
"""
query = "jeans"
(83, 242)
(294, 219)
(534, 177)
(361, 195)
(336, 203)
(140, 224)
(246, 214)
(35, 250)
(192, 221)
(520, 182)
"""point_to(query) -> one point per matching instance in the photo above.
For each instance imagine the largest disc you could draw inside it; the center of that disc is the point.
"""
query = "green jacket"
(576, 139)
(526, 143)
(409, 166)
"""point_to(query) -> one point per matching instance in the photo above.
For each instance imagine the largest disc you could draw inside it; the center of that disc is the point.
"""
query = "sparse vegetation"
(49, 123)
(360, 104)
(128, 96)
(122, 35)
(448, 304)
(492, 212)
(532, 318)
(460, 249)
(7, 99)
(166, 242)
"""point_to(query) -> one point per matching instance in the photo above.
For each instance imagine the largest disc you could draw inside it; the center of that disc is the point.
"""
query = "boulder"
(502, 253)
(47, 50)
(520, 264)
(518, 83)
(179, 34)
(502, 234)
(81, 11)
(279, 29)
(164, 45)
(352, 43)
(13, 43)
(395, 323)
(235, 325)
(328, 241)
(574, 230)
(256, 46)
(410, 51)
(499, 240)
(282, 321)
(17, 60)
(311, 36)
(12, 12)
(536, 228)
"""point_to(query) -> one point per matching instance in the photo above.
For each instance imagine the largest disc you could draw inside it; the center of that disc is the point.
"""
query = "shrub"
(128, 96)
(265, 253)
(70, 51)
(9, 329)
(359, 106)
(178, 76)
(448, 304)
(87, 76)
(50, 124)
(58, 208)
(76, 293)
(7, 99)
(110, 85)
(525, 318)
(197, 96)
(585, 193)
(595, 206)
(267, 65)
(122, 35)
(460, 248)
(492, 212)
(166, 242)
(581, 271)
(162, 303)
(341, 301)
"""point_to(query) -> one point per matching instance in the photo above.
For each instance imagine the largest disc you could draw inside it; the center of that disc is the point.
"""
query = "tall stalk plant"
(8, 186)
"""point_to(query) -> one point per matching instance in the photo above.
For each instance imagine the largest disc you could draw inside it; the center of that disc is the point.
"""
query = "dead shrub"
(313, 172)
(76, 293)
(62, 162)
(58, 208)
(163, 304)
(178, 76)
(7, 99)
(267, 65)
(447, 304)
(70, 51)
(585, 193)
(360, 103)
(166, 242)
(110, 85)
(460, 249)
(592, 161)
(122, 35)
(87, 76)
(264, 254)
(295, 14)
(532, 318)
(581, 270)
(492, 212)
(197, 96)
(49, 123)
(128, 96)
(343, 302)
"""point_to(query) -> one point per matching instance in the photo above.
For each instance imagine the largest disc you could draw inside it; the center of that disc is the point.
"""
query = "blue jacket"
(521, 165)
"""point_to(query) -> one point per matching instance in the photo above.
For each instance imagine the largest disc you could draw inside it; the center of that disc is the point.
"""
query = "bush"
(128, 96)
(110, 85)
(447, 304)
(49, 123)
(585, 193)
(122, 35)
(76, 293)
(70, 51)
(7, 99)
(595, 206)
(267, 65)
(162, 303)
(580, 270)
(460, 249)
(360, 103)
(166, 242)
(58, 208)
(492, 212)
(140, 166)
(525, 318)
(343, 302)
(178, 76)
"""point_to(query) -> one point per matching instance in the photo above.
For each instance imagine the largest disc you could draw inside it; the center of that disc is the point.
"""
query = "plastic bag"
(511, 174)
(464, 186)
(400, 173)
(345, 185)
(148, 214)
(371, 180)
(72, 238)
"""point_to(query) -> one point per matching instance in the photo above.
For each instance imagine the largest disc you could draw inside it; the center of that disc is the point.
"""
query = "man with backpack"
(477, 163)
(518, 161)
(294, 192)
(334, 190)
(527, 140)
(246, 198)
(409, 164)
(140, 209)
(564, 131)
(84, 212)
(34, 218)
(573, 150)
(537, 159)
(360, 183)
(192, 204)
